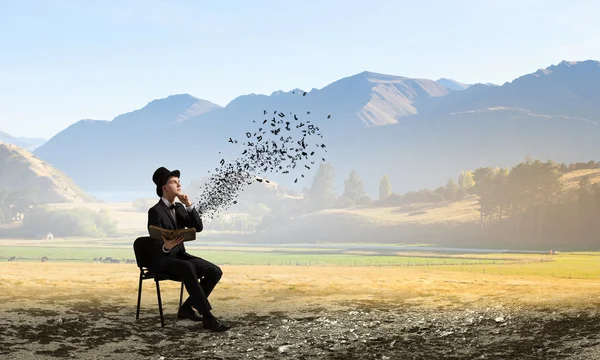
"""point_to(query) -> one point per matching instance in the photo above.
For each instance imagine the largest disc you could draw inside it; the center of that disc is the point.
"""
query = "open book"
(156, 232)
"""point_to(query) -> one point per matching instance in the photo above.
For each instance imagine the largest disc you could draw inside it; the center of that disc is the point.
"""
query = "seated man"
(171, 256)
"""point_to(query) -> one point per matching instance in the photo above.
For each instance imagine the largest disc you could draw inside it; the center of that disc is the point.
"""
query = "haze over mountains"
(26, 143)
(418, 131)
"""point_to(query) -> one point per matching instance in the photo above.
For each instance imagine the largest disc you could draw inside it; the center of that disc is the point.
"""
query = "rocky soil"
(93, 331)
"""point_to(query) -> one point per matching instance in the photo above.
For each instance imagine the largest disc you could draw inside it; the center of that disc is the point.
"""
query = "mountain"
(457, 86)
(452, 84)
(376, 99)
(418, 131)
(22, 171)
(129, 148)
(28, 144)
(123, 153)
(567, 89)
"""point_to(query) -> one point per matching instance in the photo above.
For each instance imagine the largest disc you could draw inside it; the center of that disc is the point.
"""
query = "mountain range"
(418, 131)
(28, 144)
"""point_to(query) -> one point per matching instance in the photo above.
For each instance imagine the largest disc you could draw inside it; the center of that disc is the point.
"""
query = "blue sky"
(66, 60)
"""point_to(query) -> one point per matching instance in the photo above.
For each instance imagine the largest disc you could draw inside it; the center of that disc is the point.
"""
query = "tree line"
(532, 203)
(39, 219)
(528, 203)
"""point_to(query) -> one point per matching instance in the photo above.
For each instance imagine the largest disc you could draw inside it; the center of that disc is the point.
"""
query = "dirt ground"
(87, 311)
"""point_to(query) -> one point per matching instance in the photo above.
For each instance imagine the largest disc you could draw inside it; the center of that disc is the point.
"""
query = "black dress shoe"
(215, 325)
(189, 314)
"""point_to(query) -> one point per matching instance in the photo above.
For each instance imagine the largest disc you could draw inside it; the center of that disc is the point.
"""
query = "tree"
(460, 194)
(413, 197)
(484, 188)
(465, 180)
(353, 187)
(533, 185)
(71, 222)
(585, 203)
(14, 204)
(364, 201)
(500, 196)
(320, 195)
(5, 210)
(344, 202)
(591, 164)
(392, 200)
(451, 188)
(563, 168)
(385, 188)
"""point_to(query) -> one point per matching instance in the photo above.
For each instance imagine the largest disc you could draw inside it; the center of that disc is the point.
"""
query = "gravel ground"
(93, 331)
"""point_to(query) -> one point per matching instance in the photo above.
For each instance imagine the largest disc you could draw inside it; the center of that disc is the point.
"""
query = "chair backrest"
(142, 248)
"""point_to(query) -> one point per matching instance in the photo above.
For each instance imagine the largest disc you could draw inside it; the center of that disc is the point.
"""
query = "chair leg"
(180, 296)
(162, 319)
(137, 314)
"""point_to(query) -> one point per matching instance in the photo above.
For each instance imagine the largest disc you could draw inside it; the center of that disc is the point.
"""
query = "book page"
(155, 233)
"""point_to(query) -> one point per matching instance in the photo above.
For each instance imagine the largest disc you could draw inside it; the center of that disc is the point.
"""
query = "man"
(171, 256)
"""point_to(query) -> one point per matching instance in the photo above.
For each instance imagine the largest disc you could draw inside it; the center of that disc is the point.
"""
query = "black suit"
(178, 261)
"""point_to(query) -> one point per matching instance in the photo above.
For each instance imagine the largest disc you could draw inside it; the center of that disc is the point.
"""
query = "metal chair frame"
(147, 274)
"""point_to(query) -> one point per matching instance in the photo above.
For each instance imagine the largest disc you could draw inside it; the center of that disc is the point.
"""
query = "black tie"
(172, 207)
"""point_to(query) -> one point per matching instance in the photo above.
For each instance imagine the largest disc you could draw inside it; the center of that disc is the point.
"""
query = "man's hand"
(184, 199)
(169, 244)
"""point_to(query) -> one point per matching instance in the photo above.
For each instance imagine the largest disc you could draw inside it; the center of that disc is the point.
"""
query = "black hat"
(160, 177)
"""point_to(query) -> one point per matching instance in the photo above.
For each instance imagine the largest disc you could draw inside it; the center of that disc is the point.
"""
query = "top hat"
(160, 177)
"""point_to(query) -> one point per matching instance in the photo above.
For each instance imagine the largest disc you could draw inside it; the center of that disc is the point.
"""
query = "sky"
(66, 60)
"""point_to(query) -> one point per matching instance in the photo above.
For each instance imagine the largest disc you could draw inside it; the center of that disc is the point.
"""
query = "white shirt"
(168, 203)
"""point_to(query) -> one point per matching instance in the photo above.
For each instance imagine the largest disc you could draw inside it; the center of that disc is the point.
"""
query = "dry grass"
(572, 178)
(454, 213)
(265, 289)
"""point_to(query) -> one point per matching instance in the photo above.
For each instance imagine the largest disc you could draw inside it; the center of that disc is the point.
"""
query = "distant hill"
(21, 170)
(457, 86)
(418, 131)
(568, 89)
(452, 84)
(28, 144)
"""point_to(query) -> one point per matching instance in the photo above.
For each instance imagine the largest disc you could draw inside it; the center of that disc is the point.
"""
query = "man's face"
(172, 187)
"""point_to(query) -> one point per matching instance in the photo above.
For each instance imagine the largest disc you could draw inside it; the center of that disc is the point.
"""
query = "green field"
(565, 265)
(274, 257)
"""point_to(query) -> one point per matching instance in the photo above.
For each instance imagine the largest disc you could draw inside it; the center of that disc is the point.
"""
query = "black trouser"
(191, 270)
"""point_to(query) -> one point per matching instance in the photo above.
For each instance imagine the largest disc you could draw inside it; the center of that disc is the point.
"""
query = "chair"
(141, 247)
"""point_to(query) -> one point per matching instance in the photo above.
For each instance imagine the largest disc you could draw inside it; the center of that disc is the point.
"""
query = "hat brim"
(175, 173)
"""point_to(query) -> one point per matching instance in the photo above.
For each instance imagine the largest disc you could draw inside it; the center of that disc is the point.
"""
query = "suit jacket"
(159, 215)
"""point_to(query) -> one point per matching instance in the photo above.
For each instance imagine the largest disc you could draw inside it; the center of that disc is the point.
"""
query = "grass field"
(572, 178)
(454, 213)
(563, 265)
(258, 289)
(264, 257)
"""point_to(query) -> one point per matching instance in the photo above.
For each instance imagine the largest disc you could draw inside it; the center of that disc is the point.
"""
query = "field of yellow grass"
(266, 289)
(454, 213)
(572, 178)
